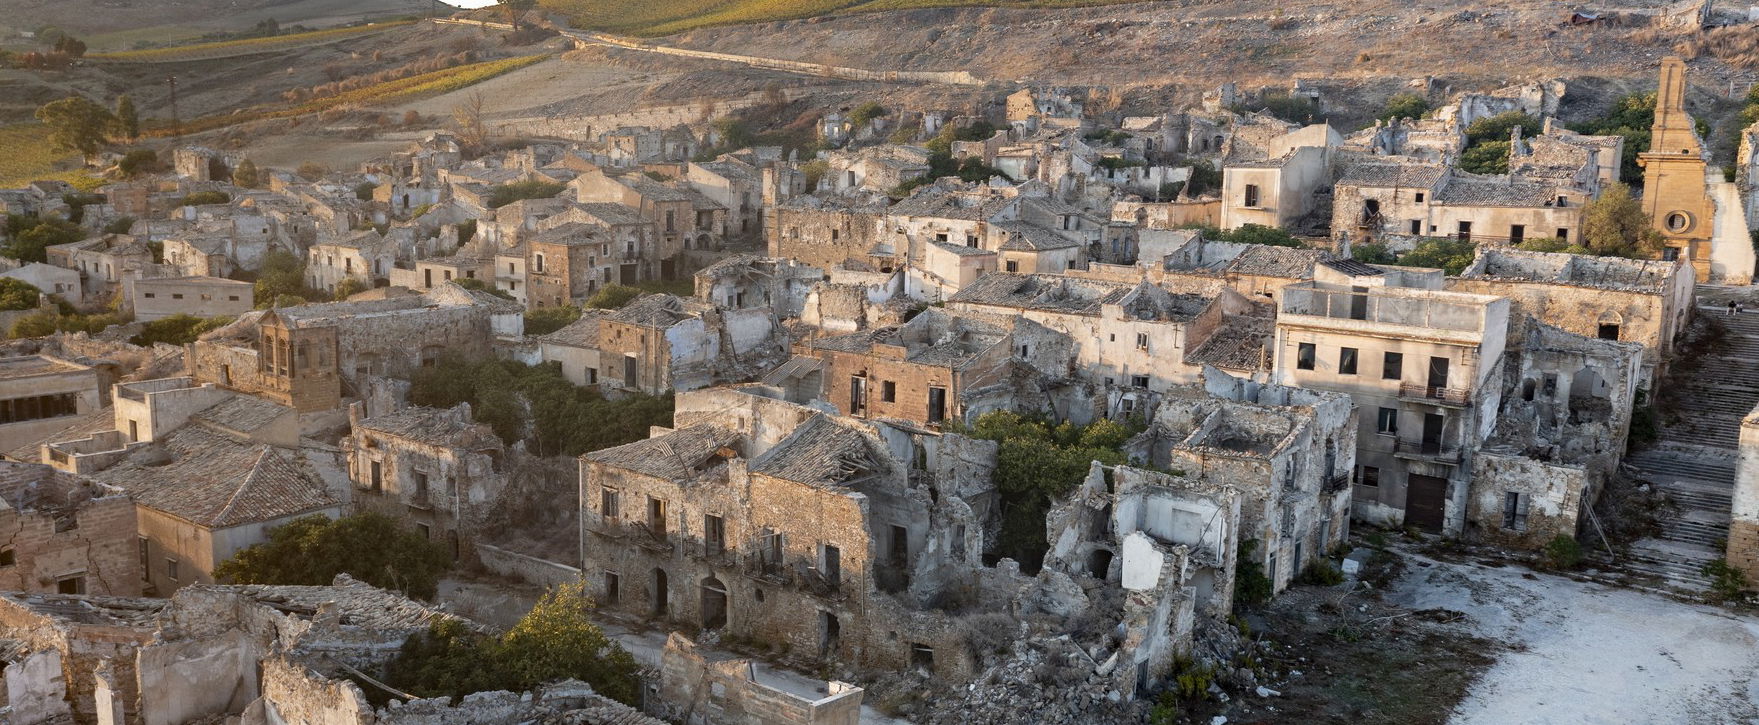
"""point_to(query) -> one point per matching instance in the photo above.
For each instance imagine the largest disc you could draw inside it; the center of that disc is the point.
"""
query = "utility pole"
(176, 125)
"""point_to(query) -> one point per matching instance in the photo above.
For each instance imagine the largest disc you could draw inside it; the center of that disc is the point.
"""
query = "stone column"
(1743, 530)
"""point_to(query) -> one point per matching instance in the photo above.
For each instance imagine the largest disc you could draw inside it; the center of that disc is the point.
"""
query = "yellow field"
(226, 47)
(26, 156)
(389, 92)
(665, 17)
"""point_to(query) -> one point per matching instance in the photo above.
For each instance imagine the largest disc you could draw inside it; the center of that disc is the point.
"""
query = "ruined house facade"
(433, 469)
(65, 534)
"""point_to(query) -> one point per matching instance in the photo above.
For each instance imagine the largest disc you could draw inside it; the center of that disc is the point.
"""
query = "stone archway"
(714, 604)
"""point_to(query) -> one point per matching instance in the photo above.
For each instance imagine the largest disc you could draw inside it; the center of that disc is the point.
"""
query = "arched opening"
(1099, 563)
(1527, 390)
(1608, 326)
(661, 602)
(714, 604)
(1589, 397)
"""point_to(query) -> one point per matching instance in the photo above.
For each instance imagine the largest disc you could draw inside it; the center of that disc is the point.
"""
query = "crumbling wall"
(1552, 495)
(36, 692)
(294, 695)
(1743, 532)
(695, 688)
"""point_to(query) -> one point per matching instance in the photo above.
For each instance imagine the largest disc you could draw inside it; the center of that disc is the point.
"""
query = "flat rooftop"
(27, 366)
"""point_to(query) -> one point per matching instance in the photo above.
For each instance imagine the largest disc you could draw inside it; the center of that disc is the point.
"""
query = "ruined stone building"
(435, 470)
(1609, 298)
(65, 533)
(778, 523)
(939, 366)
(1289, 454)
(576, 348)
(659, 342)
(685, 219)
(365, 257)
(1422, 366)
(830, 232)
(1380, 199)
(744, 281)
(103, 261)
(292, 655)
(40, 395)
(1560, 434)
(1701, 217)
(735, 184)
(305, 356)
(1272, 169)
(1133, 339)
(698, 687)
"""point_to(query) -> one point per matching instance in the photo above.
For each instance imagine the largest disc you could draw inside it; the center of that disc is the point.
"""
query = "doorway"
(661, 603)
(1425, 501)
(714, 604)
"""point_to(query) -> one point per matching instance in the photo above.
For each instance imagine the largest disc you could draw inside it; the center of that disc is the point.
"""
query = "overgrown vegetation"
(280, 281)
(1294, 109)
(1561, 552)
(521, 190)
(1726, 582)
(16, 294)
(201, 198)
(536, 404)
(556, 640)
(1320, 573)
(1404, 105)
(971, 170)
(1248, 234)
(177, 330)
(1251, 586)
(29, 237)
(1036, 463)
(1445, 253)
(612, 296)
(1631, 117)
(1615, 225)
(312, 550)
(545, 320)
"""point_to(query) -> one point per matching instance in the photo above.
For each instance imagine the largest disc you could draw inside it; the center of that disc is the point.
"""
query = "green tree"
(127, 119)
(17, 294)
(1489, 157)
(30, 236)
(281, 274)
(1248, 234)
(348, 288)
(529, 189)
(312, 550)
(545, 320)
(177, 330)
(137, 162)
(536, 404)
(867, 112)
(556, 640)
(1204, 177)
(612, 296)
(1497, 127)
(77, 125)
(1447, 254)
(1614, 225)
(35, 325)
(1404, 105)
(1375, 253)
(246, 174)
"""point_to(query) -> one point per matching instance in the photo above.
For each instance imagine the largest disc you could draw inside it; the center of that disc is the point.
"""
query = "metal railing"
(1456, 396)
(1427, 451)
(1336, 483)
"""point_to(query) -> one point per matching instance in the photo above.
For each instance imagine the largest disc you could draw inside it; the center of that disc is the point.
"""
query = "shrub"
(1251, 586)
(137, 162)
(177, 330)
(545, 320)
(1450, 255)
(1404, 105)
(1321, 573)
(612, 296)
(867, 112)
(1562, 552)
(529, 189)
(312, 550)
(200, 198)
(1726, 582)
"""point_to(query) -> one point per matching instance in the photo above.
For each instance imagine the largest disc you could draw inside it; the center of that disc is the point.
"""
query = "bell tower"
(1675, 194)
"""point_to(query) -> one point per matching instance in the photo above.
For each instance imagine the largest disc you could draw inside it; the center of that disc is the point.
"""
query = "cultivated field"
(247, 46)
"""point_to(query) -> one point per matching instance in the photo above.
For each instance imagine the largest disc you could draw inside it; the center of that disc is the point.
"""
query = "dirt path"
(1590, 654)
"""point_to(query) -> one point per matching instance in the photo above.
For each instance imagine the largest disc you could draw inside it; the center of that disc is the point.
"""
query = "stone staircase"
(1694, 460)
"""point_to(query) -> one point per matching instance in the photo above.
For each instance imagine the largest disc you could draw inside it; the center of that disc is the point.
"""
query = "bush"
(1645, 428)
(348, 288)
(1562, 552)
(1249, 234)
(536, 404)
(1251, 586)
(18, 294)
(1447, 254)
(1375, 253)
(31, 237)
(1320, 573)
(545, 320)
(1726, 582)
(200, 198)
(1489, 157)
(867, 112)
(312, 550)
(530, 189)
(177, 330)
(472, 283)
(137, 162)
(1404, 105)
(612, 296)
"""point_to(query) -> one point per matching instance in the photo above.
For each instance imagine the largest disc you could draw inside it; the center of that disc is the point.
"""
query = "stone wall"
(1552, 494)
(525, 568)
(1743, 534)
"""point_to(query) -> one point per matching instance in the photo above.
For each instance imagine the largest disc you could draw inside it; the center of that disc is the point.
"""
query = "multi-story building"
(1423, 366)
(434, 469)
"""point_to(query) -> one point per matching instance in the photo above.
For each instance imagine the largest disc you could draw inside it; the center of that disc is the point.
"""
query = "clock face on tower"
(1677, 221)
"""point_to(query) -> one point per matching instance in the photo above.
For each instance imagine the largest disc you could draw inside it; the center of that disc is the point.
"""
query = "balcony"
(1453, 397)
(1427, 451)
(646, 537)
(1336, 483)
(716, 555)
(823, 586)
(768, 570)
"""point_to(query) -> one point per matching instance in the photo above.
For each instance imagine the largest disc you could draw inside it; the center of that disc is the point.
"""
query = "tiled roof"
(676, 456)
(611, 213)
(583, 332)
(1404, 175)
(819, 452)
(1475, 190)
(1353, 268)
(243, 413)
(433, 426)
(1240, 343)
(960, 249)
(933, 202)
(1269, 261)
(655, 310)
(1023, 237)
(572, 234)
(217, 481)
(359, 604)
(1041, 292)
